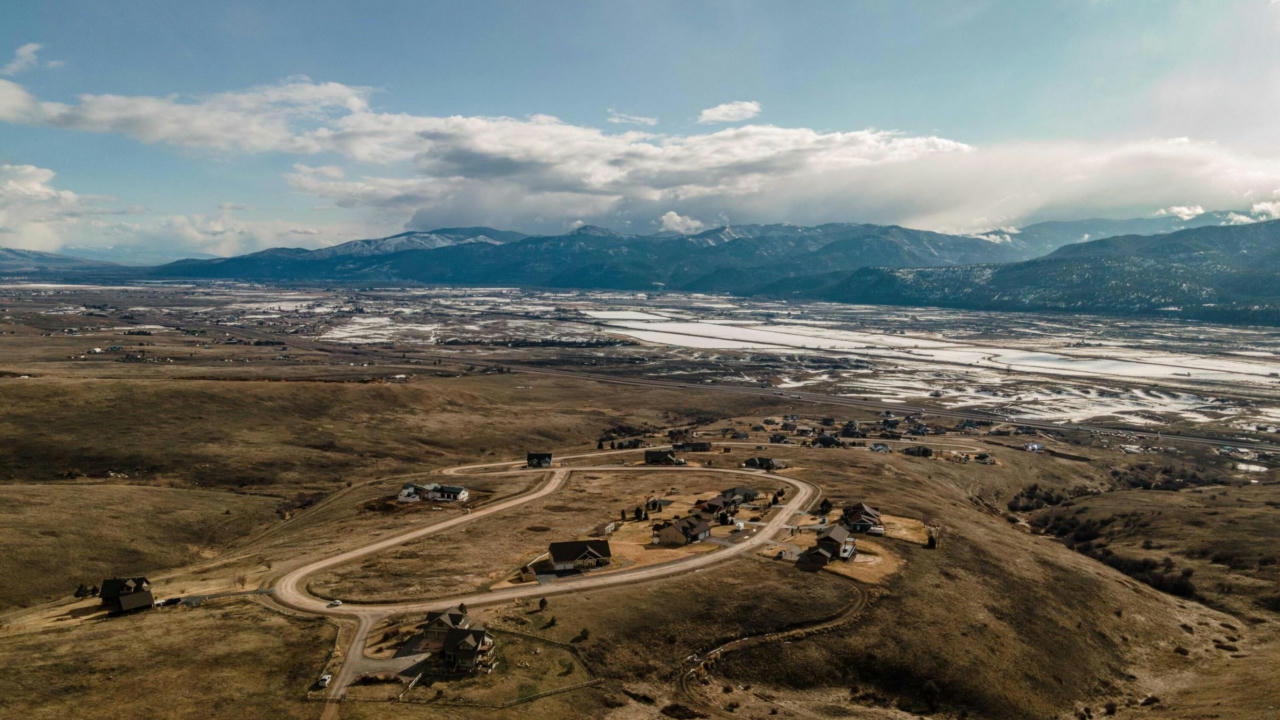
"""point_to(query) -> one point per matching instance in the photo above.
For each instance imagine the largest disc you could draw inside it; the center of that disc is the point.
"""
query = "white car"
(324, 681)
(875, 530)
(335, 603)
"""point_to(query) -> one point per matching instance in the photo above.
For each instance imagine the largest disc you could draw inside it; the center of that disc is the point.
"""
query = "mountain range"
(1203, 266)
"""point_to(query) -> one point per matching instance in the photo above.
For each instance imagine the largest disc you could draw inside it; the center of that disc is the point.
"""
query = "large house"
(122, 595)
(580, 554)
(468, 650)
(538, 460)
(448, 635)
(661, 457)
(834, 543)
(764, 463)
(860, 517)
(682, 531)
(412, 492)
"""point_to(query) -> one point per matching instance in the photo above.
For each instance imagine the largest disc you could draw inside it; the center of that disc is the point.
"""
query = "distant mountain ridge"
(1228, 273)
(1041, 238)
(729, 259)
(17, 262)
(1219, 269)
(419, 240)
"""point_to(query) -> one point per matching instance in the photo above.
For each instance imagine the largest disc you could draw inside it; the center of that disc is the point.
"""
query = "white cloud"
(1182, 212)
(1268, 209)
(673, 221)
(34, 214)
(24, 58)
(535, 172)
(265, 118)
(730, 112)
(622, 118)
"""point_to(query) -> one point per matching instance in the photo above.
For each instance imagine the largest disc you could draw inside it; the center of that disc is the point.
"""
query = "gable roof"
(835, 533)
(570, 550)
(113, 588)
(453, 617)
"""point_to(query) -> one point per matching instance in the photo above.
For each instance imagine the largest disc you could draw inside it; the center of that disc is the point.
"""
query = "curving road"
(290, 589)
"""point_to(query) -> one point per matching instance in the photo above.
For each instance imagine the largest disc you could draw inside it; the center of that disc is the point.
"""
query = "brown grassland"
(224, 469)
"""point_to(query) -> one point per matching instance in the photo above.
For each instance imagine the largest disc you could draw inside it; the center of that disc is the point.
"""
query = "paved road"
(290, 589)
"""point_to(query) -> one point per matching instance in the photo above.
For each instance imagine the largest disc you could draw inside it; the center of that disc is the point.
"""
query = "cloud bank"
(537, 172)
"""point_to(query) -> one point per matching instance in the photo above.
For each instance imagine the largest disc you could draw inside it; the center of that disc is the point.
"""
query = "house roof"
(467, 640)
(693, 525)
(861, 509)
(835, 533)
(453, 617)
(113, 588)
(570, 550)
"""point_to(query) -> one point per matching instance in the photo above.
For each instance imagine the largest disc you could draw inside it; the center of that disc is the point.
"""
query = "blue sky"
(229, 127)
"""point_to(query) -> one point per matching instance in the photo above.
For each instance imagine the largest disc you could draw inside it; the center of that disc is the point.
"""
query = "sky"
(230, 127)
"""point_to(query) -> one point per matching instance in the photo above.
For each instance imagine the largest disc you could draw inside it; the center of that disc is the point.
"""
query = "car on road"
(335, 603)
(324, 681)
(875, 530)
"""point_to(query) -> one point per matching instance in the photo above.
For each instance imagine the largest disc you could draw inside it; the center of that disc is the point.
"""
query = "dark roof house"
(580, 554)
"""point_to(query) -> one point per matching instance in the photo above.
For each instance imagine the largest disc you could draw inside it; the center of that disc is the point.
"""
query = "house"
(1033, 447)
(412, 492)
(827, 441)
(861, 508)
(449, 493)
(436, 629)
(859, 517)
(538, 460)
(778, 439)
(580, 554)
(468, 649)
(122, 595)
(449, 636)
(661, 457)
(834, 543)
(739, 495)
(881, 448)
(918, 451)
(740, 435)
(715, 505)
(692, 446)
(788, 427)
(828, 422)
(682, 531)
(764, 463)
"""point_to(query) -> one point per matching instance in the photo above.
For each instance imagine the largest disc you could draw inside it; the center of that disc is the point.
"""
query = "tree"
(624, 515)
(646, 514)
(542, 604)
(824, 507)
(462, 608)
(638, 512)
(600, 444)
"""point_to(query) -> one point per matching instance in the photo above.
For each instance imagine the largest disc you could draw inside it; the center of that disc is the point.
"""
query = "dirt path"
(699, 662)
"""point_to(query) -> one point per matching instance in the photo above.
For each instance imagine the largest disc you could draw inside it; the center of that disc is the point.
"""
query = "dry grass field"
(236, 462)
(227, 659)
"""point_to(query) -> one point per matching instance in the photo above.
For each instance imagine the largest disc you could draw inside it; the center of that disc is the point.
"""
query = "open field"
(132, 530)
(233, 658)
